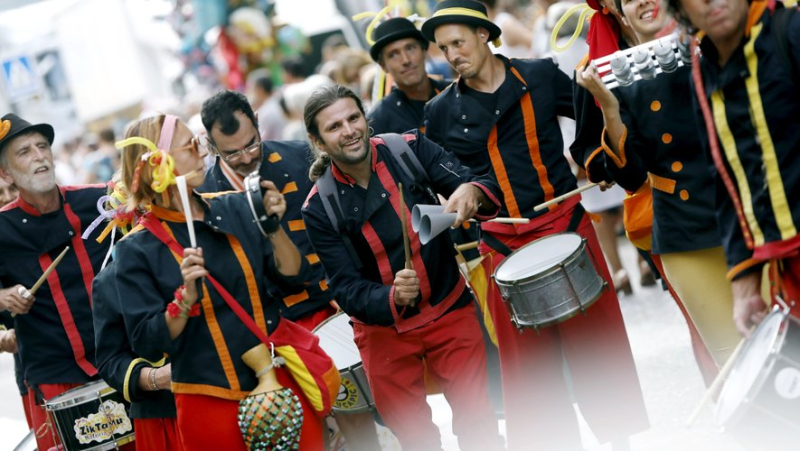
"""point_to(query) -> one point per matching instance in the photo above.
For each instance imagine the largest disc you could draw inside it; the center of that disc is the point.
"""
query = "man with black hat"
(500, 118)
(53, 325)
(400, 50)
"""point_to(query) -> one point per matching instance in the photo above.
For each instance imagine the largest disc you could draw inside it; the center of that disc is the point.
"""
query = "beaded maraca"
(271, 416)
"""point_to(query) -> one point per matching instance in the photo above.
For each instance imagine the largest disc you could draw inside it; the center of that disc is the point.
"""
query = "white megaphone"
(431, 225)
(423, 210)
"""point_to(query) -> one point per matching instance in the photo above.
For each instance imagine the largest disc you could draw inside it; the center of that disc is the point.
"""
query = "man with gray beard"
(54, 330)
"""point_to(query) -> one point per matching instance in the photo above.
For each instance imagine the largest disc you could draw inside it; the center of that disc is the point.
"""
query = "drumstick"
(467, 246)
(505, 220)
(47, 272)
(563, 197)
(187, 212)
(718, 381)
(406, 245)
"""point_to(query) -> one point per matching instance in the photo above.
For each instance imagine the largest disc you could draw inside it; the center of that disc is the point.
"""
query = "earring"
(605, 10)
(371, 131)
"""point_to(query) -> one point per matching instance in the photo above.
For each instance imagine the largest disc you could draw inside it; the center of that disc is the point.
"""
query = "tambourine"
(255, 198)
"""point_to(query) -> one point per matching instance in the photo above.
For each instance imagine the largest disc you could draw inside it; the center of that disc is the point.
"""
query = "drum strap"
(577, 216)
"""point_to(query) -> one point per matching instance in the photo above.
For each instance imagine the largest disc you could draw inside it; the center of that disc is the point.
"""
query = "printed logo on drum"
(787, 383)
(348, 395)
(109, 420)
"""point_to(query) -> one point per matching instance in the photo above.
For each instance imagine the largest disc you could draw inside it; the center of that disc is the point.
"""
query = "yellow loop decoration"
(164, 172)
(586, 13)
(374, 23)
(136, 140)
(5, 126)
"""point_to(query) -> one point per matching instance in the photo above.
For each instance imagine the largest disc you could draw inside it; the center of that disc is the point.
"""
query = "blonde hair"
(135, 175)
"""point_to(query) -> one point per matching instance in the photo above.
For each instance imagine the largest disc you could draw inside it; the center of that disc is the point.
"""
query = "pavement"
(671, 382)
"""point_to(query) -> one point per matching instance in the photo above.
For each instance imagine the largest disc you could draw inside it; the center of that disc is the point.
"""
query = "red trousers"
(157, 434)
(207, 422)
(453, 349)
(42, 426)
(785, 278)
(593, 347)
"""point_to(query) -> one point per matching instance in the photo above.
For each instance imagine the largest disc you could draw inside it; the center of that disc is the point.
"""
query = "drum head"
(537, 257)
(80, 394)
(752, 363)
(336, 338)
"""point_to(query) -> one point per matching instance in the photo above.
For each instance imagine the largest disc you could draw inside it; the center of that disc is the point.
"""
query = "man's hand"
(8, 341)
(274, 202)
(465, 201)
(406, 287)
(17, 300)
(749, 309)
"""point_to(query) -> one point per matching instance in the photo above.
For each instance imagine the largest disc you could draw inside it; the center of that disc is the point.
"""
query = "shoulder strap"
(409, 162)
(781, 18)
(155, 227)
(326, 186)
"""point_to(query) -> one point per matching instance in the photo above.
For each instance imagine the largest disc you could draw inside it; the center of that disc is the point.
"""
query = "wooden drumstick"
(42, 279)
(564, 197)
(505, 220)
(466, 246)
(718, 381)
(406, 245)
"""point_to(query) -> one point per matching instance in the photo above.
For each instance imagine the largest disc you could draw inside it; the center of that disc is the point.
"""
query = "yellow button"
(655, 106)
(677, 166)
(684, 194)
(667, 138)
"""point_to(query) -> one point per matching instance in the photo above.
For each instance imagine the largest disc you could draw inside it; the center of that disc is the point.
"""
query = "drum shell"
(67, 411)
(355, 396)
(768, 416)
(554, 295)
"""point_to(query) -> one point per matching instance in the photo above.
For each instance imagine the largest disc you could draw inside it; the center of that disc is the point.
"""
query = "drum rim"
(98, 394)
(547, 271)
(759, 382)
(327, 320)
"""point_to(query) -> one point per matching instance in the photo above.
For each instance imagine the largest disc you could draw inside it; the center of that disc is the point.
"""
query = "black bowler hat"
(392, 30)
(12, 126)
(467, 12)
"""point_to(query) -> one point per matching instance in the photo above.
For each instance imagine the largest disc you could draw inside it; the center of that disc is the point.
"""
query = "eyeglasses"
(236, 156)
(194, 146)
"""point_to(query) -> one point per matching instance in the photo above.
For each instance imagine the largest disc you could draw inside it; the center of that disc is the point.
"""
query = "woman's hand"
(192, 269)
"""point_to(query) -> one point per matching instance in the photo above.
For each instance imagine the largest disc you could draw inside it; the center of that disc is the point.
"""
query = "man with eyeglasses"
(232, 129)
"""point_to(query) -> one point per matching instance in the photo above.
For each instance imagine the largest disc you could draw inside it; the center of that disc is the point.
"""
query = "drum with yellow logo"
(337, 340)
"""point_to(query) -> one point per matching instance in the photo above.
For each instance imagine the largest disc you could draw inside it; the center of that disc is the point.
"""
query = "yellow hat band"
(460, 12)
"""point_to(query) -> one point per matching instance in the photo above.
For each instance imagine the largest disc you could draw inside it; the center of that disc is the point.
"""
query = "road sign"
(20, 78)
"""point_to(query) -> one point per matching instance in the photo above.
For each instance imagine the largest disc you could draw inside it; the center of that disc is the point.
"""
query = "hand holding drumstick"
(406, 284)
(18, 299)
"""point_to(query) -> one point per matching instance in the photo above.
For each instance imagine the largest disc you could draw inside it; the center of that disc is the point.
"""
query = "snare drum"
(548, 281)
(760, 401)
(91, 417)
(337, 340)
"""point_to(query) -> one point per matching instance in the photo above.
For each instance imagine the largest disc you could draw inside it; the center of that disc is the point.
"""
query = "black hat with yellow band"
(467, 12)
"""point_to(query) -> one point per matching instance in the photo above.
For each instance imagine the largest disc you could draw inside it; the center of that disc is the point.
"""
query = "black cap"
(17, 126)
(392, 30)
(467, 12)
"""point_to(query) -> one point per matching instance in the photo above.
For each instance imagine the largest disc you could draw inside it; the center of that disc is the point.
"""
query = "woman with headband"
(158, 274)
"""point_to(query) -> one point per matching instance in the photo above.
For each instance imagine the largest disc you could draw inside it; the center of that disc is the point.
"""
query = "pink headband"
(167, 130)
